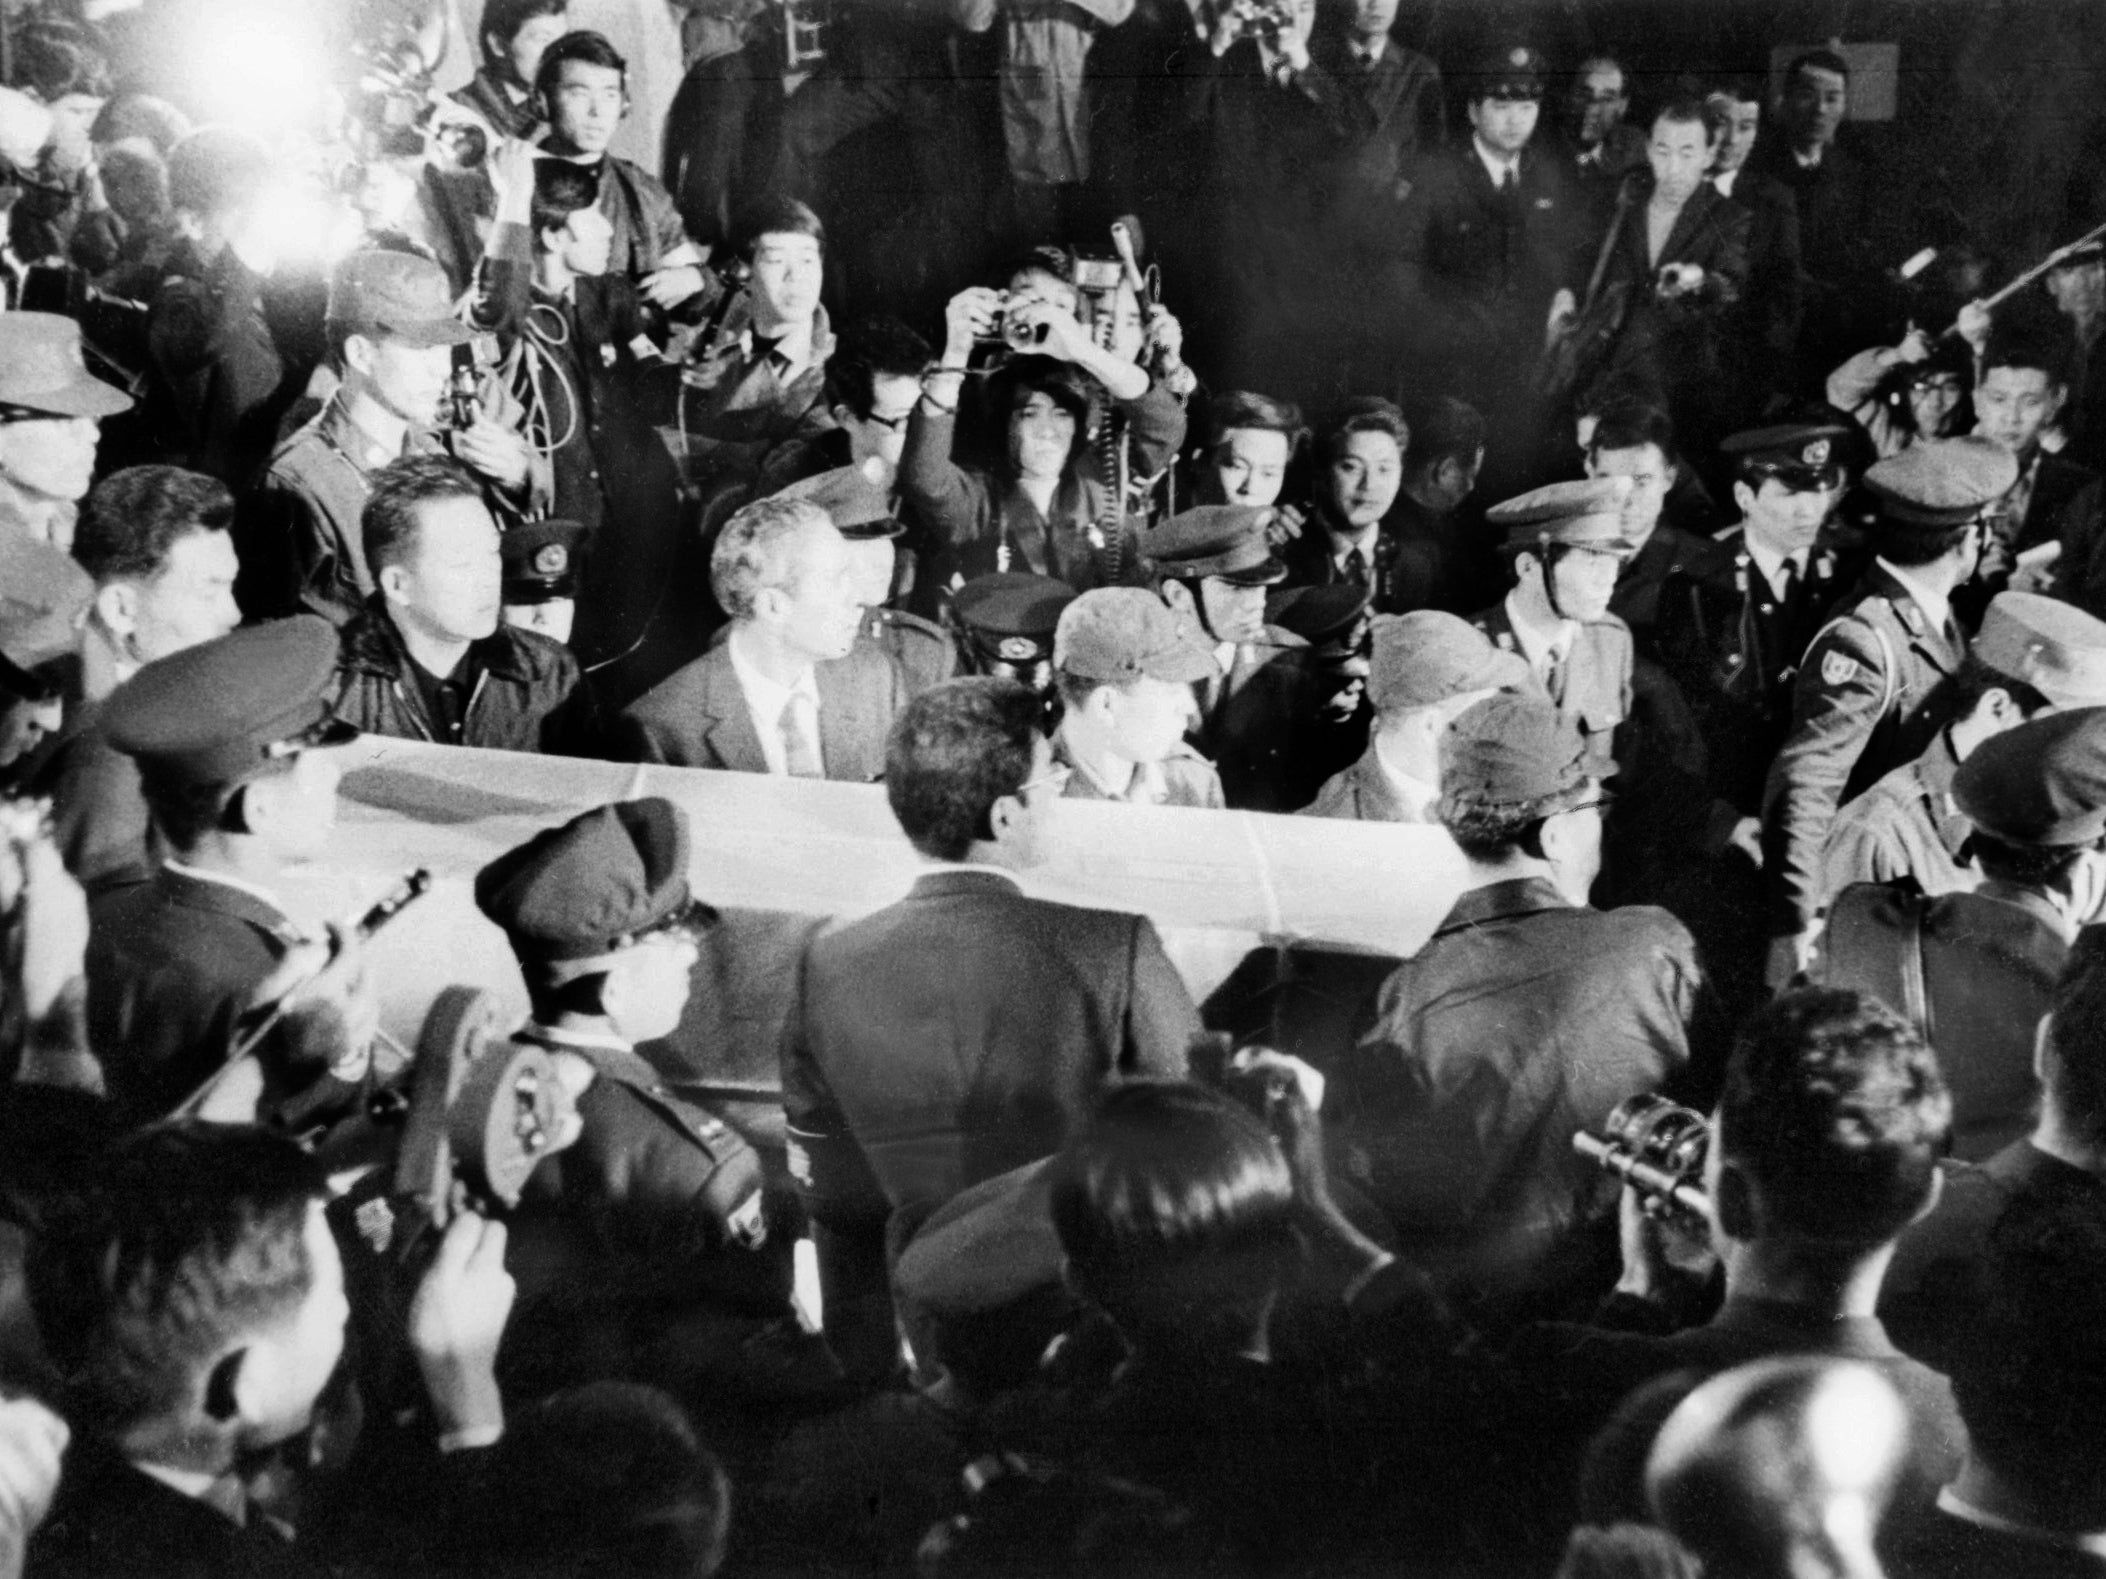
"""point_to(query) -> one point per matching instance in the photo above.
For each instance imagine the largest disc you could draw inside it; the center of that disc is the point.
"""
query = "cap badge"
(1016, 649)
(551, 559)
(1815, 453)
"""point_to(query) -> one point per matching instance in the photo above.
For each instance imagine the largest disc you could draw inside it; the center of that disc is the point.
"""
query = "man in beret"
(1980, 967)
(1869, 695)
(49, 410)
(788, 690)
(231, 738)
(967, 1029)
(429, 656)
(1427, 668)
(1125, 666)
(1488, 250)
(392, 337)
(1567, 546)
(862, 513)
(667, 1197)
(1260, 709)
(2033, 655)
(1525, 1019)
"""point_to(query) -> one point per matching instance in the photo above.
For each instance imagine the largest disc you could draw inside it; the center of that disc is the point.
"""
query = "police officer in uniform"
(862, 513)
(2033, 654)
(1980, 968)
(1003, 624)
(1869, 695)
(541, 576)
(665, 1196)
(230, 739)
(1568, 546)
(1260, 712)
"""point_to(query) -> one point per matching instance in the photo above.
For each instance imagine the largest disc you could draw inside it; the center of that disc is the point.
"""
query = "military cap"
(1122, 634)
(1515, 750)
(1012, 615)
(1801, 455)
(2042, 784)
(1943, 483)
(541, 560)
(1426, 657)
(1511, 70)
(858, 507)
(44, 595)
(1321, 615)
(2055, 647)
(216, 713)
(396, 294)
(1223, 540)
(42, 372)
(571, 896)
(1583, 514)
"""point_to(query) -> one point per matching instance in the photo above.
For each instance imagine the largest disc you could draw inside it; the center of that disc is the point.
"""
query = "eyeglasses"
(1057, 776)
(891, 424)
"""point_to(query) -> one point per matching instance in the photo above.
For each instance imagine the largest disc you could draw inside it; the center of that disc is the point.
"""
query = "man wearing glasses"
(1526, 1018)
(1871, 694)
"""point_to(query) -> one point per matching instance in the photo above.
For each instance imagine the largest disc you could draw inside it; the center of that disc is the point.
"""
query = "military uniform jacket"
(967, 1030)
(924, 651)
(1988, 963)
(1862, 706)
(1904, 827)
(658, 1181)
(1183, 778)
(522, 699)
(1523, 1021)
(698, 717)
(1594, 683)
(1734, 651)
(171, 964)
(1365, 792)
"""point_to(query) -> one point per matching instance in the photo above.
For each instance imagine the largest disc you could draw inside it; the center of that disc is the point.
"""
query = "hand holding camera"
(456, 1320)
(972, 317)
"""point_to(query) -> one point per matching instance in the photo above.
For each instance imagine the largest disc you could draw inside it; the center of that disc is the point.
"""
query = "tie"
(1554, 674)
(1356, 569)
(1788, 581)
(1509, 184)
(800, 738)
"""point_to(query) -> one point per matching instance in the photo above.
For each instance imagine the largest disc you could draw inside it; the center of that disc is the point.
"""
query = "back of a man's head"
(1175, 1209)
(188, 1240)
(954, 751)
(2031, 1386)
(132, 518)
(2072, 1073)
(1836, 1114)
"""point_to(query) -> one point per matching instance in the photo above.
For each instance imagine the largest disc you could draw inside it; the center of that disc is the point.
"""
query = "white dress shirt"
(1542, 645)
(765, 701)
(1771, 563)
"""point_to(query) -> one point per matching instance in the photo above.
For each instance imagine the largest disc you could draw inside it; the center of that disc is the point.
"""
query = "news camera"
(1658, 1148)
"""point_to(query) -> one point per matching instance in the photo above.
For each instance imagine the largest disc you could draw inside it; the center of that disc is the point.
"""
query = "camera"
(1658, 1148)
(1265, 21)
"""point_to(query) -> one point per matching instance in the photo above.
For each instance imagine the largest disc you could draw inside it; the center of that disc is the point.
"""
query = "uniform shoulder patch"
(1837, 668)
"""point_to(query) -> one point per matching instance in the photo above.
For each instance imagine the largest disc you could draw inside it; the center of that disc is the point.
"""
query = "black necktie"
(1789, 591)
(1356, 569)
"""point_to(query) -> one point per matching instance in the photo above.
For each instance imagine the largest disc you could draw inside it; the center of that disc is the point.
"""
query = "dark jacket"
(98, 811)
(699, 719)
(1395, 115)
(1523, 1021)
(1259, 722)
(524, 698)
(1677, 345)
(2068, 506)
(171, 965)
(968, 1029)
(218, 387)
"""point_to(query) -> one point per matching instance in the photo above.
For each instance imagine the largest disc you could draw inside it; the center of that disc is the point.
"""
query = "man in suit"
(1638, 442)
(1528, 1016)
(1568, 548)
(1980, 966)
(1764, 328)
(231, 740)
(1598, 146)
(788, 690)
(1426, 670)
(1359, 471)
(1872, 690)
(1487, 254)
(969, 1028)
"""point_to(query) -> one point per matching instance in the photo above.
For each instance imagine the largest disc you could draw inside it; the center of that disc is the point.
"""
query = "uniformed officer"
(862, 512)
(392, 315)
(1005, 623)
(1125, 666)
(1568, 545)
(1333, 620)
(605, 928)
(1260, 707)
(1869, 695)
(541, 576)
(2033, 655)
(1735, 620)
(230, 739)
(1980, 968)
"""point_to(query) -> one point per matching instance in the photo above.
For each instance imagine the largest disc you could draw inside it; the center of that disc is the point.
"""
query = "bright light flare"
(260, 65)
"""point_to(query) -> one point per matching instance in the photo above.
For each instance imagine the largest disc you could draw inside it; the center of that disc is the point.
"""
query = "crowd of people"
(1218, 405)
